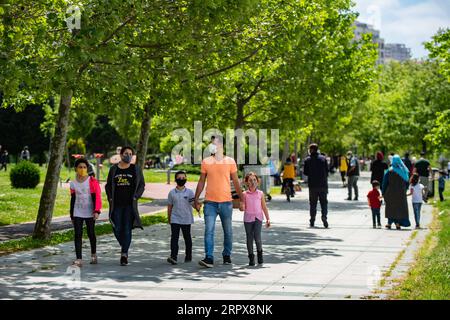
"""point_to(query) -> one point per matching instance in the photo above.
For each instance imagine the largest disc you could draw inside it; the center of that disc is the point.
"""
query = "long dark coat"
(394, 194)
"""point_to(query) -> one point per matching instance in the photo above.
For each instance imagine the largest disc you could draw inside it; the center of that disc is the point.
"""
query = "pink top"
(253, 207)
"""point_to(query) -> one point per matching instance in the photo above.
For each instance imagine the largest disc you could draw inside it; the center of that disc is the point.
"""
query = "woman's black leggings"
(90, 226)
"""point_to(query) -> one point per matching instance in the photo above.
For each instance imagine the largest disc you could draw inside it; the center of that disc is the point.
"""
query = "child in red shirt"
(374, 199)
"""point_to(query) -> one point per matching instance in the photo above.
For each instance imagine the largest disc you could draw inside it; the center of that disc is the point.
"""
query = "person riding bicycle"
(289, 175)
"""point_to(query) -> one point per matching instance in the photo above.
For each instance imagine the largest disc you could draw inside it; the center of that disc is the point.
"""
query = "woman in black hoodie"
(378, 168)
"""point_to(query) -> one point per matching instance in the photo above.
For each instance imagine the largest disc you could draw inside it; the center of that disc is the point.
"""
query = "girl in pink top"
(255, 207)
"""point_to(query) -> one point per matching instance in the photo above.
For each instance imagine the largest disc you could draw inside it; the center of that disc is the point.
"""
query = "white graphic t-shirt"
(83, 200)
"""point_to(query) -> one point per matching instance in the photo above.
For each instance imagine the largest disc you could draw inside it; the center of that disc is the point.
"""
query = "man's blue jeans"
(225, 212)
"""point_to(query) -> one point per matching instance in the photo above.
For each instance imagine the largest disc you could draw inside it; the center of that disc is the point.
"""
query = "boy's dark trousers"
(186, 230)
(376, 216)
(441, 194)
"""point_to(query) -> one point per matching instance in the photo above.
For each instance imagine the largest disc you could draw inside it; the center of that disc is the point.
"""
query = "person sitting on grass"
(85, 207)
(179, 213)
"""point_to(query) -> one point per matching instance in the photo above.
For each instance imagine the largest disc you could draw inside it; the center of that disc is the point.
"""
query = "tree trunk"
(285, 154)
(44, 217)
(142, 144)
(239, 122)
(424, 146)
(296, 145)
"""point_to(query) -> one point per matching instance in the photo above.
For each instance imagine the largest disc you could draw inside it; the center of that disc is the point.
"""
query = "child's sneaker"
(171, 260)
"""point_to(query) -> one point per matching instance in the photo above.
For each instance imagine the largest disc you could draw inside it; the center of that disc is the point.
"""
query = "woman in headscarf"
(378, 168)
(394, 187)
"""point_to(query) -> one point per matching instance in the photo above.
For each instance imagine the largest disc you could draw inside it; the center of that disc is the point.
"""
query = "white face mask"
(212, 148)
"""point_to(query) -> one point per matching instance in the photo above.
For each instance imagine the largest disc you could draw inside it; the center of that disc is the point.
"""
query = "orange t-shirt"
(218, 174)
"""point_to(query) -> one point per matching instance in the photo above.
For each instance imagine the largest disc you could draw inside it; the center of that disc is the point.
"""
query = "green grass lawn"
(21, 205)
(157, 175)
(429, 277)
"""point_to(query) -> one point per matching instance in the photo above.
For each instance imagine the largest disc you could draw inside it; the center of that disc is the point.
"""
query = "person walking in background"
(391, 155)
(4, 160)
(408, 163)
(423, 168)
(255, 207)
(441, 184)
(395, 184)
(124, 186)
(25, 154)
(85, 207)
(374, 201)
(343, 167)
(353, 175)
(416, 190)
(378, 168)
(289, 176)
(294, 161)
(448, 170)
(316, 169)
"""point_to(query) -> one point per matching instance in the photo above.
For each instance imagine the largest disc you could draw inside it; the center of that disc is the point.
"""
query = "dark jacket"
(394, 190)
(408, 164)
(378, 169)
(316, 168)
(139, 190)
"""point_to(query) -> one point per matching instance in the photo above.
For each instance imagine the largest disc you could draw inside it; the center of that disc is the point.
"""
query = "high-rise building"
(386, 51)
(364, 28)
(396, 51)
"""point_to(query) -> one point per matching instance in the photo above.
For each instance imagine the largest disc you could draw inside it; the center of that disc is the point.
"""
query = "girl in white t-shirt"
(417, 192)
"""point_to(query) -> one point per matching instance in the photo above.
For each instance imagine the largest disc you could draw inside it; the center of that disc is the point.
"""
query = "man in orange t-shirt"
(217, 170)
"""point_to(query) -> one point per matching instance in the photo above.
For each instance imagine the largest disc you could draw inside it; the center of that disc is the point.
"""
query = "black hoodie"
(316, 168)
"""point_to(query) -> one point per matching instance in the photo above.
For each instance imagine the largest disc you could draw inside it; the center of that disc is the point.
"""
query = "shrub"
(24, 175)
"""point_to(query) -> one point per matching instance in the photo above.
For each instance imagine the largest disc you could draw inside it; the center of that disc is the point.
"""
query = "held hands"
(197, 205)
(241, 206)
(267, 223)
(198, 209)
(96, 215)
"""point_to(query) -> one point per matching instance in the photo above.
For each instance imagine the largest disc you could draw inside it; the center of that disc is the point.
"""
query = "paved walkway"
(342, 262)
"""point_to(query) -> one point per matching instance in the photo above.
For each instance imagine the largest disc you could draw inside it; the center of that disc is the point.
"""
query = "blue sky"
(411, 22)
